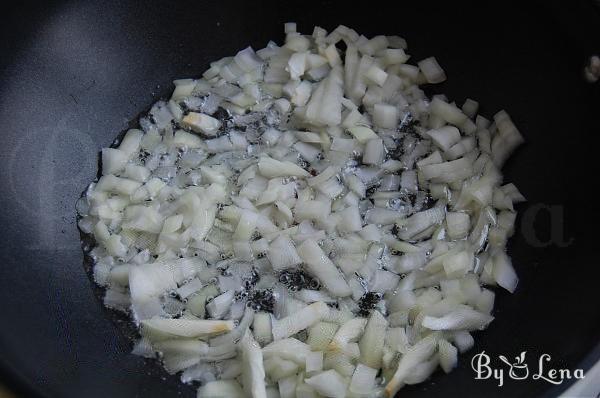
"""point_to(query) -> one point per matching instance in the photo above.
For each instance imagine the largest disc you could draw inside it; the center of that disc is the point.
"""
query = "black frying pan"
(74, 74)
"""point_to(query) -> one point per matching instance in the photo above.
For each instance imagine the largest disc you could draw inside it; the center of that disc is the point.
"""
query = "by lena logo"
(519, 369)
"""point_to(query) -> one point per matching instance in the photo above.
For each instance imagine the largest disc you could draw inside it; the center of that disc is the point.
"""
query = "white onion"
(444, 137)
(461, 318)
(323, 168)
(290, 349)
(187, 327)
(504, 273)
(415, 355)
(363, 380)
(374, 152)
(448, 112)
(422, 371)
(322, 267)
(463, 340)
(298, 321)
(348, 332)
(372, 341)
(432, 70)
(253, 372)
(314, 361)
(221, 388)
(287, 386)
(219, 306)
(201, 123)
(329, 383)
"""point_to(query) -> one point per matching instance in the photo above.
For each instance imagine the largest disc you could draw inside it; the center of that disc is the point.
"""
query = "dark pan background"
(73, 74)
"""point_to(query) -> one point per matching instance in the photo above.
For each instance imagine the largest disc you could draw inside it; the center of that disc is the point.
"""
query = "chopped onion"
(461, 318)
(372, 341)
(329, 383)
(363, 380)
(301, 320)
(282, 253)
(348, 332)
(432, 71)
(322, 267)
(253, 371)
(309, 191)
(271, 168)
(219, 306)
(321, 334)
(444, 137)
(202, 123)
(314, 361)
(448, 355)
(287, 386)
(221, 388)
(374, 152)
(187, 327)
(415, 355)
(504, 273)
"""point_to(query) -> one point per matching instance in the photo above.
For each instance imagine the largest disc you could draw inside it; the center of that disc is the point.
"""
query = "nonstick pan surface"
(75, 74)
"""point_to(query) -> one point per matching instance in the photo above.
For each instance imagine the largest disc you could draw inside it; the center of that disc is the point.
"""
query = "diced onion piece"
(186, 139)
(419, 222)
(131, 142)
(113, 160)
(306, 317)
(363, 380)
(362, 134)
(455, 170)
(463, 340)
(457, 224)
(272, 168)
(432, 71)
(188, 327)
(123, 186)
(314, 361)
(376, 75)
(328, 383)
(350, 220)
(321, 334)
(282, 253)
(457, 265)
(325, 105)
(183, 88)
(137, 173)
(348, 332)
(290, 349)
(287, 386)
(321, 266)
(444, 137)
(297, 65)
(504, 273)
(253, 372)
(385, 116)
(221, 388)
(416, 354)
(506, 140)
(461, 318)
(448, 355)
(202, 123)
(219, 306)
(312, 210)
(372, 341)
(374, 152)
(448, 112)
